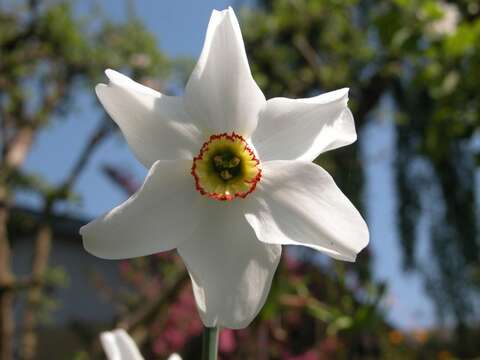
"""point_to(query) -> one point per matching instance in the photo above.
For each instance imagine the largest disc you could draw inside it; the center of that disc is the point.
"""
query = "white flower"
(449, 20)
(230, 178)
(118, 345)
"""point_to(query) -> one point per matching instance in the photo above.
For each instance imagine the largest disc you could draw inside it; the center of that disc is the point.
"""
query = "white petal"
(298, 203)
(221, 92)
(174, 356)
(162, 214)
(156, 126)
(302, 129)
(231, 271)
(118, 345)
(127, 346)
(110, 346)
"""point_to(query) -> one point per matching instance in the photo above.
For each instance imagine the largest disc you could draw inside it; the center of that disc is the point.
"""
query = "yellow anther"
(218, 160)
(226, 175)
(233, 162)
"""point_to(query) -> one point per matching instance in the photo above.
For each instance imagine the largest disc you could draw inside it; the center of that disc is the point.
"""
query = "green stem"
(210, 343)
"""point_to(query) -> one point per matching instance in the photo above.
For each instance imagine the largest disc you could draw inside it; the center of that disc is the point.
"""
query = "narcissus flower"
(118, 345)
(230, 178)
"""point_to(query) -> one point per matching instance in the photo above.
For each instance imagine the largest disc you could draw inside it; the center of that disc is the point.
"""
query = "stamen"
(225, 174)
(233, 162)
(218, 160)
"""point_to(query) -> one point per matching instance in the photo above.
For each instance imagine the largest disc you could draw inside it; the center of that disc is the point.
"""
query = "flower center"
(226, 168)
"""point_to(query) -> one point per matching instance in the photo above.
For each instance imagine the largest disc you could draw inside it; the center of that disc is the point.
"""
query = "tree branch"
(43, 243)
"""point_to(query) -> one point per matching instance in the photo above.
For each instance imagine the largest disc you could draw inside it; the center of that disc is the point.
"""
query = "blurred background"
(413, 67)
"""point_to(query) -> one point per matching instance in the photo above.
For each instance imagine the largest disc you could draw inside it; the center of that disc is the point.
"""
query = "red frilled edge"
(226, 197)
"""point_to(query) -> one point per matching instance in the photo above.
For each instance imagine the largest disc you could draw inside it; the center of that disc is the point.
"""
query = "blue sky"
(179, 27)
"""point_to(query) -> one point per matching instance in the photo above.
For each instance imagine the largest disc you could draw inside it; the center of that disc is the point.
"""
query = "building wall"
(80, 300)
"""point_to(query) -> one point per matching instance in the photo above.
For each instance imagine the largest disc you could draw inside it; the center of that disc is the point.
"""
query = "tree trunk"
(39, 266)
(7, 323)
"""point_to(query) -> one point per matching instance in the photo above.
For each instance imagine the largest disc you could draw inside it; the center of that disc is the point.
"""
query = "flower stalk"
(210, 343)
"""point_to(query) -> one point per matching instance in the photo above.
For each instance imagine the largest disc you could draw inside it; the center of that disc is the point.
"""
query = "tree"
(424, 56)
